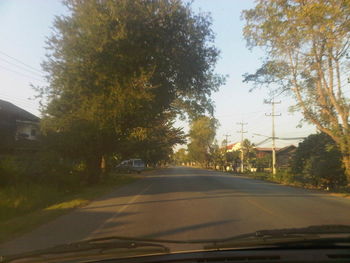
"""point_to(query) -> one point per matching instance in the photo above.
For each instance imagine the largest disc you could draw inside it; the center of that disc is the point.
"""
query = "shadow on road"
(210, 184)
(68, 228)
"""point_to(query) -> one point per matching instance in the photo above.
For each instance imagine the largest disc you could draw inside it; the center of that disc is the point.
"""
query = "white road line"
(119, 211)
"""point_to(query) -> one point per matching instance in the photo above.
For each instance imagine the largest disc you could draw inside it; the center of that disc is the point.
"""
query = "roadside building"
(19, 129)
(284, 156)
(233, 147)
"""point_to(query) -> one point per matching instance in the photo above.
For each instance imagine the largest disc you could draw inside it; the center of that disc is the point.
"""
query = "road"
(186, 203)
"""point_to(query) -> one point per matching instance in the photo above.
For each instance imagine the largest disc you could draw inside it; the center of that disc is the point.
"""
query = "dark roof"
(289, 147)
(17, 112)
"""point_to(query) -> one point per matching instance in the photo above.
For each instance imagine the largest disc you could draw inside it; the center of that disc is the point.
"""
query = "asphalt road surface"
(185, 204)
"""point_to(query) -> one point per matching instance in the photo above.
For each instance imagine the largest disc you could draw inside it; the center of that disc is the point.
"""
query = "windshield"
(181, 121)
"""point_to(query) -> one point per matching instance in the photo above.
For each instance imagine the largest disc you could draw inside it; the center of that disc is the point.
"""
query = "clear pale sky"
(24, 26)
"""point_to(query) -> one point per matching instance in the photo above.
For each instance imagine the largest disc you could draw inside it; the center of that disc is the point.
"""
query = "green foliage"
(249, 153)
(42, 167)
(232, 157)
(153, 143)
(306, 44)
(120, 68)
(263, 162)
(9, 170)
(216, 155)
(318, 160)
(202, 134)
(181, 156)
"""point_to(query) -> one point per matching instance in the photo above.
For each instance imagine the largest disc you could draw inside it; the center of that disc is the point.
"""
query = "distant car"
(132, 165)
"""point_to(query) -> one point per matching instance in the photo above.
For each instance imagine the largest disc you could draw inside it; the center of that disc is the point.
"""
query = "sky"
(25, 26)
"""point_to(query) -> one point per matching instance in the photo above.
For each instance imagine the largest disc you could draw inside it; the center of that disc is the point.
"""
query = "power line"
(21, 67)
(20, 73)
(19, 61)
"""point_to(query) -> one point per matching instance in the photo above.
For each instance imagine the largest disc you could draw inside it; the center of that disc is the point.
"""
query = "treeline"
(119, 74)
(316, 162)
(203, 150)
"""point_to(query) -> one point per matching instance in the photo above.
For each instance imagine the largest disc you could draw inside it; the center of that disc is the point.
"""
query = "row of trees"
(307, 57)
(119, 73)
(317, 160)
(204, 150)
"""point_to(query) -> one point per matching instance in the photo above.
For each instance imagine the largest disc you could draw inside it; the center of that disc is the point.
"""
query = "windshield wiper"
(98, 245)
(276, 237)
(321, 229)
(316, 235)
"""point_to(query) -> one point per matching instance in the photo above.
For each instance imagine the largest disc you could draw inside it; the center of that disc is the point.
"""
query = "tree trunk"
(103, 164)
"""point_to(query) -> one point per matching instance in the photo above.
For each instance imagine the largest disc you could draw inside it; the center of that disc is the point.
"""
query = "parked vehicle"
(132, 165)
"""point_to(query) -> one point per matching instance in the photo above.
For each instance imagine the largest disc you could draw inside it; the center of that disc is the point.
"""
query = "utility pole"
(226, 141)
(225, 156)
(242, 131)
(273, 115)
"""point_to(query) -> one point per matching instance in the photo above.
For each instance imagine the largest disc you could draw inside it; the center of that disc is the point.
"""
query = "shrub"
(43, 167)
(9, 170)
(318, 160)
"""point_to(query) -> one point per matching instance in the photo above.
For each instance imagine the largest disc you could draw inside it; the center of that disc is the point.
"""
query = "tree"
(249, 153)
(263, 162)
(180, 156)
(202, 134)
(216, 155)
(318, 159)
(115, 67)
(153, 144)
(306, 44)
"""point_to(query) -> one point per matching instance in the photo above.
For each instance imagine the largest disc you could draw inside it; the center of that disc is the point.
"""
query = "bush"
(318, 160)
(9, 170)
(43, 167)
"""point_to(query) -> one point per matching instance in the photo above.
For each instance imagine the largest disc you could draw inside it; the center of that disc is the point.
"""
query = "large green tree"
(306, 45)
(201, 135)
(117, 66)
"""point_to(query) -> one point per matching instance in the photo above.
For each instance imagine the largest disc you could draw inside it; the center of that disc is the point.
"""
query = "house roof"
(230, 146)
(289, 147)
(17, 112)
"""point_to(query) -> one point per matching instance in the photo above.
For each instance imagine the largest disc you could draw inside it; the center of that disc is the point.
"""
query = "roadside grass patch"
(26, 206)
(289, 179)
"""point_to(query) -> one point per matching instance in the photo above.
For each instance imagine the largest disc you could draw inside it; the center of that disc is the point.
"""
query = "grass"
(296, 181)
(24, 207)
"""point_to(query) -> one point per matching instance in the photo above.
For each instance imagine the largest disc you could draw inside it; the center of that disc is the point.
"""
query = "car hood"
(126, 247)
